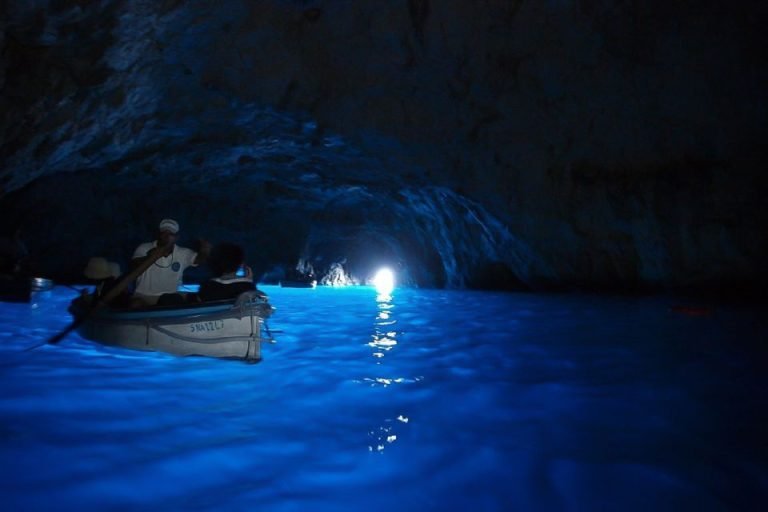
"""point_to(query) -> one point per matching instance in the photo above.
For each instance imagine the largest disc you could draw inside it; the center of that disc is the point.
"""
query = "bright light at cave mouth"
(384, 281)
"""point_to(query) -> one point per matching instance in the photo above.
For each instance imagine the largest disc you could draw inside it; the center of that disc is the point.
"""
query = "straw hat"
(100, 268)
(114, 269)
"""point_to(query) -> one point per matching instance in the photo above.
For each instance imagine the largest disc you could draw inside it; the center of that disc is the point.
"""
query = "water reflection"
(383, 340)
(384, 336)
(385, 434)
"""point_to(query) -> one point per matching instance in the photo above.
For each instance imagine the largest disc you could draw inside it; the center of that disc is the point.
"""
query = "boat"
(288, 283)
(223, 329)
(295, 278)
(15, 288)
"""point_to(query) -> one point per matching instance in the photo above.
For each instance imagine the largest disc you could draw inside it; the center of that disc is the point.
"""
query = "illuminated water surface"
(422, 400)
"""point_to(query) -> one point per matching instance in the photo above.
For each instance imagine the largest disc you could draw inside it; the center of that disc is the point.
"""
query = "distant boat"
(292, 283)
(223, 329)
(19, 288)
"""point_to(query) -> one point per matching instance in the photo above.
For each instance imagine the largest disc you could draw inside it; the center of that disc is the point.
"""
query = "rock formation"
(510, 144)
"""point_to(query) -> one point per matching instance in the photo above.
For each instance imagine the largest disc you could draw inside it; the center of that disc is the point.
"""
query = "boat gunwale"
(245, 302)
(146, 314)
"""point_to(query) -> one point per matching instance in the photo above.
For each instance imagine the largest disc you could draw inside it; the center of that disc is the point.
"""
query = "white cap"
(169, 225)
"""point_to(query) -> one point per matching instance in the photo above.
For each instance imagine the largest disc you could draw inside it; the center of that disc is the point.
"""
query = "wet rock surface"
(514, 145)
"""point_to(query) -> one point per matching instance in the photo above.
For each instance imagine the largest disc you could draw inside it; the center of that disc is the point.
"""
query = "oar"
(116, 290)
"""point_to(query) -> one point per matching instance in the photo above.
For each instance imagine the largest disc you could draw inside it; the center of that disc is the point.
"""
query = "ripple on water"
(430, 400)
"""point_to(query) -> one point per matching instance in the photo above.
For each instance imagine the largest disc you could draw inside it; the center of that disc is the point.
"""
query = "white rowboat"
(223, 329)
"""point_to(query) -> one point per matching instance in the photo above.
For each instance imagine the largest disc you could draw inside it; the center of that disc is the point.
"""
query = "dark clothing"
(223, 290)
(103, 287)
(171, 299)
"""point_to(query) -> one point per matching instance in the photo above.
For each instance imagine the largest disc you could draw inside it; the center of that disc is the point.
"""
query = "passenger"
(227, 262)
(159, 284)
(104, 273)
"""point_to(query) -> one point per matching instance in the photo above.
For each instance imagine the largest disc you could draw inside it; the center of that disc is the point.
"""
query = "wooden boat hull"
(231, 330)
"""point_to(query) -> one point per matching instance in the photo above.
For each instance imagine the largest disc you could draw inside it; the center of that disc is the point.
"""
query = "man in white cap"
(164, 275)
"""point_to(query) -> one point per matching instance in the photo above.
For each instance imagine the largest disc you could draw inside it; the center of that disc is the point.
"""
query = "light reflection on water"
(384, 338)
(421, 400)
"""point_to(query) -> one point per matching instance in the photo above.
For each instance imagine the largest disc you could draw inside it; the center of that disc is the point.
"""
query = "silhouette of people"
(232, 276)
(103, 272)
(106, 275)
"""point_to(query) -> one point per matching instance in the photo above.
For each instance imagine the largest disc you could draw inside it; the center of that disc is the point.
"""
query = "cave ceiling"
(523, 143)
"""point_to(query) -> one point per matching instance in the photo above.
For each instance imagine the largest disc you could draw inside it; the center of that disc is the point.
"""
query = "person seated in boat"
(159, 284)
(105, 274)
(233, 277)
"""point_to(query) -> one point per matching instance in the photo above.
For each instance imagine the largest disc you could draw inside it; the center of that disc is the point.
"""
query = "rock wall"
(616, 144)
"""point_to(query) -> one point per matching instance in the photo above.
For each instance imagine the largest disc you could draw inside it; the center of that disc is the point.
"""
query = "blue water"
(426, 400)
